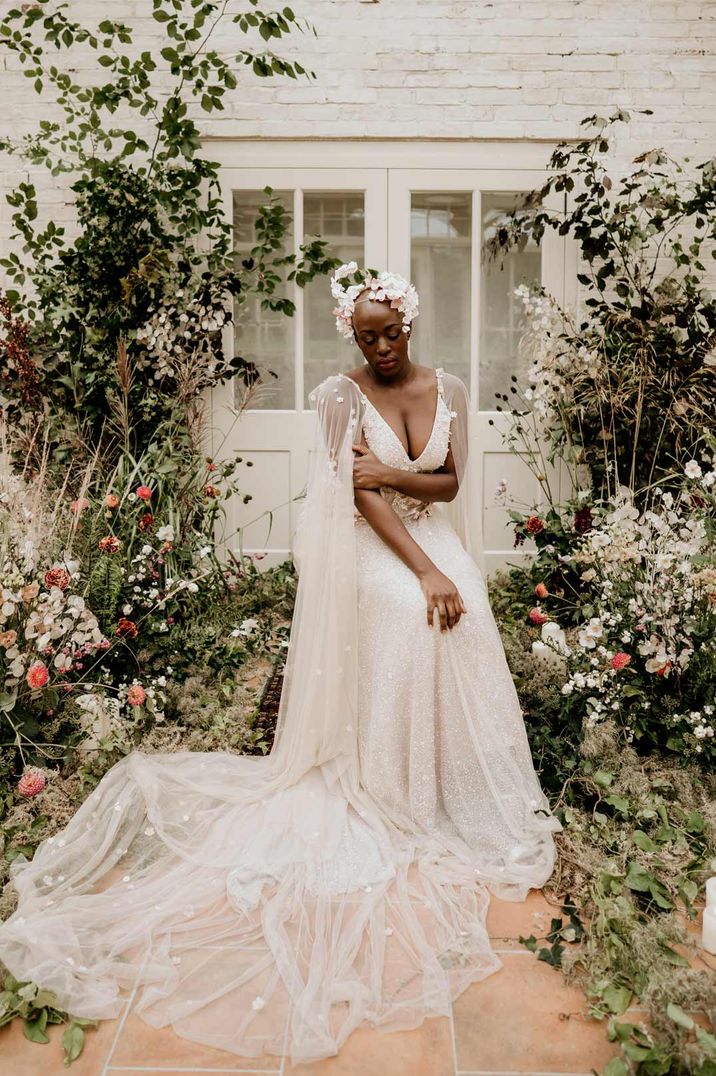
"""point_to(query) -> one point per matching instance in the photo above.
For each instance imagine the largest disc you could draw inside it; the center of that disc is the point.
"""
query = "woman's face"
(378, 332)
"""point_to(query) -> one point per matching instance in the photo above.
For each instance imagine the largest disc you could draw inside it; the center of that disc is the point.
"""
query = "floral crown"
(401, 294)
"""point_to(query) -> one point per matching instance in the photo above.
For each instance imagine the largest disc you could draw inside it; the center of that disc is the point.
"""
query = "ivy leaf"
(677, 1014)
(73, 1041)
(643, 840)
(35, 1029)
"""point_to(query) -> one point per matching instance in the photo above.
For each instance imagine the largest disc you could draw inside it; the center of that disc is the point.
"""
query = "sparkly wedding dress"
(275, 903)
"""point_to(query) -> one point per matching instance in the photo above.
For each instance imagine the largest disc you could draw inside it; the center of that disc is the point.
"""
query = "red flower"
(620, 660)
(534, 525)
(57, 577)
(37, 675)
(126, 628)
(144, 493)
(541, 590)
(145, 521)
(110, 544)
(32, 781)
(664, 669)
(211, 491)
(537, 616)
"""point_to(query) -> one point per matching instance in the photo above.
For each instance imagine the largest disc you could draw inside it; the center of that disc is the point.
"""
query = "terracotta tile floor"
(521, 1021)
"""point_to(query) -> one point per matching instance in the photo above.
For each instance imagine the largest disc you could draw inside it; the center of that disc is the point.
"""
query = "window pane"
(264, 336)
(500, 309)
(440, 229)
(338, 217)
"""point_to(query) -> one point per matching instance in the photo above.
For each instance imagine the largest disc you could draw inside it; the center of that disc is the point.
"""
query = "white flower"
(592, 631)
(165, 533)
(246, 627)
(692, 469)
(258, 1003)
(552, 631)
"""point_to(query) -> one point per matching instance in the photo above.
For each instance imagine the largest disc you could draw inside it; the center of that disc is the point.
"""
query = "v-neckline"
(389, 427)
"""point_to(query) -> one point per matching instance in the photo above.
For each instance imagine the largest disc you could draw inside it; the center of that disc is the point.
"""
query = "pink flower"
(79, 504)
(537, 616)
(111, 500)
(37, 675)
(144, 493)
(620, 660)
(32, 781)
(541, 590)
(109, 544)
(136, 695)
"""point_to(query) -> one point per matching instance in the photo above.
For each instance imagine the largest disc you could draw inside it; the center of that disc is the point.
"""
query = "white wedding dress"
(276, 903)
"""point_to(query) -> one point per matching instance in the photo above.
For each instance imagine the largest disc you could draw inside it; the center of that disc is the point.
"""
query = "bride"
(276, 903)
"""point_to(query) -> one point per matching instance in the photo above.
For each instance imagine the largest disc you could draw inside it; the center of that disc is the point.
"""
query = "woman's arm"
(370, 473)
(440, 592)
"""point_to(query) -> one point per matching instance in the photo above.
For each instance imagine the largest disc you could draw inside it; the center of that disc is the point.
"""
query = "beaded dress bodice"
(383, 441)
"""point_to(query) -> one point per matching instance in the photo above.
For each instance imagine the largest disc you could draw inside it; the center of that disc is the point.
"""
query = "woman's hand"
(368, 471)
(442, 594)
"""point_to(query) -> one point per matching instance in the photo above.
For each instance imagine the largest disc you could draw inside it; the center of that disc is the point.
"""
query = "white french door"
(427, 223)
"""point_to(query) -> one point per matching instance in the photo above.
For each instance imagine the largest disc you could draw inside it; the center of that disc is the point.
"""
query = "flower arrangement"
(628, 617)
(384, 285)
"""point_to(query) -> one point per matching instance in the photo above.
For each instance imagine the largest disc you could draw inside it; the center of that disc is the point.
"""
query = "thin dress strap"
(439, 375)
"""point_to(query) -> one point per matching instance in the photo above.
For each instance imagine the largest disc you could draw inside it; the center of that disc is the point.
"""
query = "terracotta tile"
(142, 1045)
(506, 920)
(20, 1057)
(425, 1051)
(525, 1018)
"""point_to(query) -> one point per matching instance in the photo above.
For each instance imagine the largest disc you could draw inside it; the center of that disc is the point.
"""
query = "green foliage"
(632, 382)
(152, 245)
(38, 1008)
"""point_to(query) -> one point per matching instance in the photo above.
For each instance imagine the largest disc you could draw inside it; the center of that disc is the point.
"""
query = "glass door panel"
(339, 217)
(440, 268)
(264, 337)
(500, 308)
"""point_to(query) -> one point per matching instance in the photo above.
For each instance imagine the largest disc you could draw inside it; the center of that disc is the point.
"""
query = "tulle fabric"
(276, 903)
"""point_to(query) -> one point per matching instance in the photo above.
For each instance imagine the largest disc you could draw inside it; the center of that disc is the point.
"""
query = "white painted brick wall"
(471, 69)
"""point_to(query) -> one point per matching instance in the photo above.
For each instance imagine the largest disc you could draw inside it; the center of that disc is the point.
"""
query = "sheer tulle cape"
(268, 903)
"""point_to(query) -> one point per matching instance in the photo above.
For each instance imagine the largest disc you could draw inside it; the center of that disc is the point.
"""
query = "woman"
(274, 904)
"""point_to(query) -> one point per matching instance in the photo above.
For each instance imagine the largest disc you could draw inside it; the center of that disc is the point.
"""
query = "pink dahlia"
(144, 493)
(37, 675)
(136, 695)
(537, 616)
(620, 660)
(32, 781)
